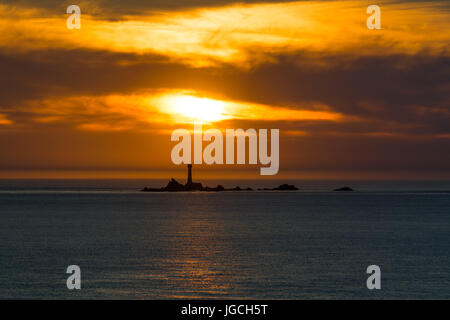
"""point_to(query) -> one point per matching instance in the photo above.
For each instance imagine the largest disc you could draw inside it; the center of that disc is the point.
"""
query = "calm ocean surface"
(308, 244)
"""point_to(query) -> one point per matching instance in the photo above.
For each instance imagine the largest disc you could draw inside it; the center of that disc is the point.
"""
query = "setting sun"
(194, 108)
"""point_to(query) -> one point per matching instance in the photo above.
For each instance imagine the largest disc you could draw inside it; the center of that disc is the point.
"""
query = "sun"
(193, 108)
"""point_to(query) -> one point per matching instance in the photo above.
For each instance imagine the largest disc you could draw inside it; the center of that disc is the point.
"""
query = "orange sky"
(102, 101)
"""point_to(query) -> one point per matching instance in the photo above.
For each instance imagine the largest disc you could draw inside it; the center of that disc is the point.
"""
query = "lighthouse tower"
(192, 186)
(189, 179)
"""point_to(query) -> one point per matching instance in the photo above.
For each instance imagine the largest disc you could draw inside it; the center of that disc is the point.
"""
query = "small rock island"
(283, 187)
(344, 189)
(175, 186)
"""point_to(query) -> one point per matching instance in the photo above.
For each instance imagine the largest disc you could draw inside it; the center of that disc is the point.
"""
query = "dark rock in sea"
(216, 189)
(344, 189)
(152, 189)
(194, 186)
(286, 187)
(172, 186)
(175, 186)
(283, 187)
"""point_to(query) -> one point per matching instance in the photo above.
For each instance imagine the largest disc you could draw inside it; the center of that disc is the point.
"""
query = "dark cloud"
(118, 8)
(386, 88)
(409, 90)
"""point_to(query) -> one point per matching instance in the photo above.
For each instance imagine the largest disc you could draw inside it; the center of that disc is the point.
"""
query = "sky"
(102, 101)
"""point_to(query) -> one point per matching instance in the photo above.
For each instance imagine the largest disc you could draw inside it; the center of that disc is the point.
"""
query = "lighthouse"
(189, 179)
(192, 186)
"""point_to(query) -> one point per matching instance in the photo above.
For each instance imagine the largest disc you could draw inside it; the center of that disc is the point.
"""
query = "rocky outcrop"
(172, 186)
(283, 187)
(344, 189)
(216, 189)
(175, 186)
(286, 187)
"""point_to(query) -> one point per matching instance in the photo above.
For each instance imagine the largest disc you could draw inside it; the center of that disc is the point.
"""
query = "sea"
(313, 243)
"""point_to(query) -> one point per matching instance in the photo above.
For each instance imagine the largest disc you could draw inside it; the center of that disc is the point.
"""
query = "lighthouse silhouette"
(189, 179)
(192, 186)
